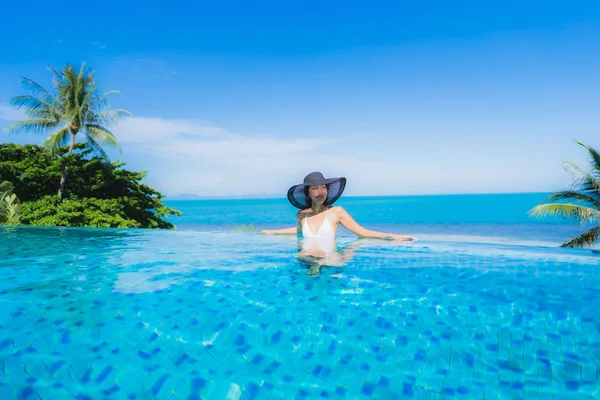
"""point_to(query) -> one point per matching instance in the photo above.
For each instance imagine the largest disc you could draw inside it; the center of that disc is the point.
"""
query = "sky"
(246, 98)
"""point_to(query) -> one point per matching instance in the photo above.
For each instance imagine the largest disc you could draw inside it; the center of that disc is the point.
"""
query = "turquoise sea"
(484, 307)
(492, 218)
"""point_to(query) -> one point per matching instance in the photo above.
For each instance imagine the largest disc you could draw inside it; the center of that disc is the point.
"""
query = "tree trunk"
(63, 177)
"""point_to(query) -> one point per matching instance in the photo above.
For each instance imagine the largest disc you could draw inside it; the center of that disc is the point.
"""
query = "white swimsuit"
(324, 232)
(323, 240)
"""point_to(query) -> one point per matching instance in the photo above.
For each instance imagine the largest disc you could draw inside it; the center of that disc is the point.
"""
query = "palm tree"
(585, 191)
(77, 106)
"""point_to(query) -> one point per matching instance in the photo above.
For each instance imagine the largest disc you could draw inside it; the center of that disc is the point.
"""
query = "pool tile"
(435, 383)
(234, 392)
(253, 391)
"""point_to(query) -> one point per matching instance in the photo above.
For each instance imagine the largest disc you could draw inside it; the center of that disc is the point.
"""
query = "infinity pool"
(135, 314)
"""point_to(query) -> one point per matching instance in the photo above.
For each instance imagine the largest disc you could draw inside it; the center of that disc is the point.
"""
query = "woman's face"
(318, 193)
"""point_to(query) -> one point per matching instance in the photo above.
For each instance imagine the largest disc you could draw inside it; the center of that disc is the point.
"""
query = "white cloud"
(191, 138)
(10, 114)
(193, 157)
(190, 156)
(142, 130)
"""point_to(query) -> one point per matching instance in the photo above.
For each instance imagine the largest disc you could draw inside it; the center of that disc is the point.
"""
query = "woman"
(317, 219)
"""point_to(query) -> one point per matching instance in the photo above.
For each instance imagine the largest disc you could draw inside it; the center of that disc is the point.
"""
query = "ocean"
(484, 218)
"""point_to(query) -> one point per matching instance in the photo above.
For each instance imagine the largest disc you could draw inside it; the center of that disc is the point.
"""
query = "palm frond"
(580, 213)
(46, 114)
(71, 114)
(57, 80)
(67, 86)
(34, 106)
(574, 195)
(582, 179)
(594, 159)
(99, 133)
(96, 146)
(30, 102)
(107, 118)
(91, 102)
(82, 73)
(88, 91)
(587, 238)
(56, 140)
(36, 125)
(111, 92)
(37, 89)
(105, 96)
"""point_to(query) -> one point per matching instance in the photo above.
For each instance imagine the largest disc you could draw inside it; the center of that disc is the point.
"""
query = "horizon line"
(278, 197)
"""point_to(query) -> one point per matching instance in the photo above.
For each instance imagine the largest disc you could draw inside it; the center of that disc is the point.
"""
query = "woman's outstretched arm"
(286, 231)
(348, 222)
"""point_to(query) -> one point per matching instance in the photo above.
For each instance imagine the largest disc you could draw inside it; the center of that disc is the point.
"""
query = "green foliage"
(244, 228)
(98, 193)
(10, 206)
(103, 213)
(31, 170)
(586, 192)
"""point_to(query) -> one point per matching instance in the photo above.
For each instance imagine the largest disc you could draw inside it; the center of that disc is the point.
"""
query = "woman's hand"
(403, 238)
(266, 232)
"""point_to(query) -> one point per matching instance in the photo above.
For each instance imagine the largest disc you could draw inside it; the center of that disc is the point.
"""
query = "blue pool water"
(137, 314)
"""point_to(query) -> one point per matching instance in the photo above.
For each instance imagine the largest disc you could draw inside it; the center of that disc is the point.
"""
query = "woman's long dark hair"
(309, 201)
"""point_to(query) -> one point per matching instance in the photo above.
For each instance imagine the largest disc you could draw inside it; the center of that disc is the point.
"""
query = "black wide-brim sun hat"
(335, 188)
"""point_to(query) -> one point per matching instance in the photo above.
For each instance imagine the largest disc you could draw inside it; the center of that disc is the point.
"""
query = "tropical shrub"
(10, 206)
(99, 193)
(244, 228)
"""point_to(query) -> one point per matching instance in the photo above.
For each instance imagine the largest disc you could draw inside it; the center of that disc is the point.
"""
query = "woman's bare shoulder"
(337, 211)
